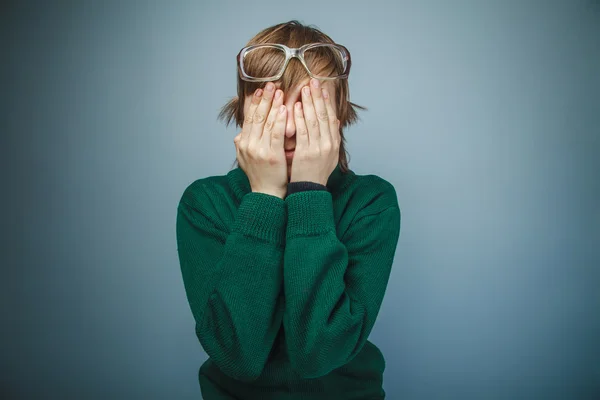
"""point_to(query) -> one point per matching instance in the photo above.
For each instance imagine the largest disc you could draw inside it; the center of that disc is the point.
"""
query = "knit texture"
(300, 186)
(285, 293)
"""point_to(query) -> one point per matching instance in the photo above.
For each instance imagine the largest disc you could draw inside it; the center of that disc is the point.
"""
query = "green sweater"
(285, 293)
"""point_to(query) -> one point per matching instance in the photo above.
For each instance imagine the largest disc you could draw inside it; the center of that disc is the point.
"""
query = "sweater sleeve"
(233, 279)
(300, 186)
(333, 288)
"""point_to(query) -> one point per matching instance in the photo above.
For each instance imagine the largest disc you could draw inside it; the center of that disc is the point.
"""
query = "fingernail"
(306, 90)
(325, 94)
(277, 94)
(315, 83)
(259, 92)
(270, 87)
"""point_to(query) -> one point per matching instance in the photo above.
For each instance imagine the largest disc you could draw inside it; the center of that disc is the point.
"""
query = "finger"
(302, 140)
(255, 101)
(320, 110)
(334, 127)
(271, 119)
(279, 129)
(262, 111)
(312, 124)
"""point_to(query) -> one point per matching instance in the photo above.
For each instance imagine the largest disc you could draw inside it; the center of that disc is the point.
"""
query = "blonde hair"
(294, 34)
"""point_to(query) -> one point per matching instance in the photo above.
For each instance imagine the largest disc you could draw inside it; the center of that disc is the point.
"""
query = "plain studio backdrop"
(484, 115)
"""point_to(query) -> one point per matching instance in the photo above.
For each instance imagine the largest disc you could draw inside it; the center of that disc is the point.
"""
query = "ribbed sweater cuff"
(309, 213)
(300, 186)
(263, 216)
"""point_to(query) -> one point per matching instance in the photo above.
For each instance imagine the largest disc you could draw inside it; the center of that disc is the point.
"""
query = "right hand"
(259, 145)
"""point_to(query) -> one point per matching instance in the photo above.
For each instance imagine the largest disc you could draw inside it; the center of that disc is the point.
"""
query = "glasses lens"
(326, 60)
(263, 61)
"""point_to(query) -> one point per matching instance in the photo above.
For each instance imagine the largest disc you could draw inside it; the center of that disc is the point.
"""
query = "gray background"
(484, 115)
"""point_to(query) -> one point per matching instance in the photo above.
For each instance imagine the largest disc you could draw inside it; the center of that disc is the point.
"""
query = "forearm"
(233, 281)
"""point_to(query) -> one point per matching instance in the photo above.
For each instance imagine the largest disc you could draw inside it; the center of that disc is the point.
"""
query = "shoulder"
(374, 193)
(204, 194)
(370, 203)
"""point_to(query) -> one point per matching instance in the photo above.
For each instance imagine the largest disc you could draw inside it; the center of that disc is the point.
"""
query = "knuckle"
(265, 102)
(255, 154)
(248, 119)
(276, 134)
(302, 131)
(261, 153)
(258, 118)
(313, 123)
(252, 149)
(269, 126)
(322, 115)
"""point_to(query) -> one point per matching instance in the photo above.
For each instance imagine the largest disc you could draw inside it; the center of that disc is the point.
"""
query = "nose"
(290, 125)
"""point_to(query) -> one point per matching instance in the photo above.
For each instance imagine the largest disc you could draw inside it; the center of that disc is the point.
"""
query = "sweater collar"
(238, 181)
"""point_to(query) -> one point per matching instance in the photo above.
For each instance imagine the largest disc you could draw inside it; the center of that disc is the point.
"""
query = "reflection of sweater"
(285, 293)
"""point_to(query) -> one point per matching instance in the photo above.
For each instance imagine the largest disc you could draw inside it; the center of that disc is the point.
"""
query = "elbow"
(311, 370)
(243, 369)
(310, 365)
(238, 361)
(322, 356)
(243, 375)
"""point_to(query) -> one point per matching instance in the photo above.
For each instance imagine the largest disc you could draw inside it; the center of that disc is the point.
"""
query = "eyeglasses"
(267, 62)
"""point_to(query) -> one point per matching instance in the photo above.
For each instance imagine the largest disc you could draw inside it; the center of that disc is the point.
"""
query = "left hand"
(317, 136)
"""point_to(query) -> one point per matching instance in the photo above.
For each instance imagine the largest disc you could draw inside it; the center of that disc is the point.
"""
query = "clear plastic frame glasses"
(268, 61)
